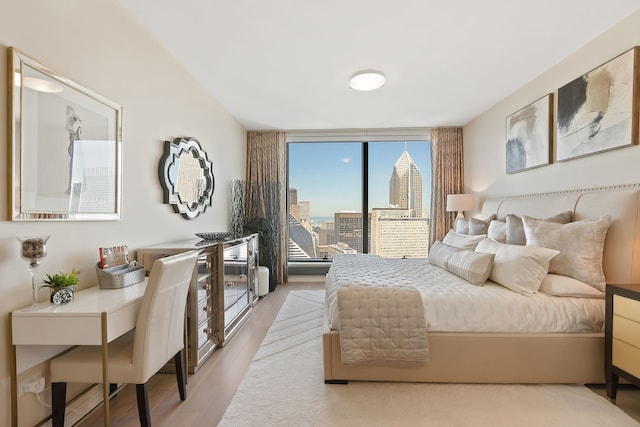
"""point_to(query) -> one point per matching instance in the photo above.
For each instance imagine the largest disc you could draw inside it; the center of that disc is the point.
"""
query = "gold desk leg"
(14, 377)
(105, 370)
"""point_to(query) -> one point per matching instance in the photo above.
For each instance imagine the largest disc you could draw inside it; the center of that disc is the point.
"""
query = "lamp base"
(460, 215)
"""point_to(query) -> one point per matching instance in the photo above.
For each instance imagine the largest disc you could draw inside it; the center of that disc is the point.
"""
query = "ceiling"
(285, 64)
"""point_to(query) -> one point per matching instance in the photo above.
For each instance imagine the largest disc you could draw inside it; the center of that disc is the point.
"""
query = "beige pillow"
(515, 228)
(461, 226)
(462, 241)
(565, 286)
(472, 226)
(497, 231)
(478, 226)
(439, 253)
(519, 268)
(580, 244)
(474, 267)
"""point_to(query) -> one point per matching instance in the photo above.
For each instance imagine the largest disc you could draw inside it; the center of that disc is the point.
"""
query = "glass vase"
(33, 249)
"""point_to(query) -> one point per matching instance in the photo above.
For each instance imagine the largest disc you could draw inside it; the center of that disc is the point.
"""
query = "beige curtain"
(447, 169)
(265, 205)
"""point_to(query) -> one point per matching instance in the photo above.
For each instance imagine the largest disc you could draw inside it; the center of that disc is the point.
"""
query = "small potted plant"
(61, 285)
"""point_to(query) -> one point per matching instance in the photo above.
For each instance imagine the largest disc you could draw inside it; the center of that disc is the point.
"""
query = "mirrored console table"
(223, 290)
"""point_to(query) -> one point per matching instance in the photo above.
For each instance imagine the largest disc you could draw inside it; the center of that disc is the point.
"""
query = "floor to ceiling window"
(331, 184)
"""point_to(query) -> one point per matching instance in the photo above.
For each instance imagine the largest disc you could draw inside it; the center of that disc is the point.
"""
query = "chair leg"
(181, 375)
(58, 402)
(143, 405)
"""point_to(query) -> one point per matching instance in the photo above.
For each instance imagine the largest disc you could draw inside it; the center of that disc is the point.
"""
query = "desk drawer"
(205, 287)
(206, 308)
(206, 330)
(626, 307)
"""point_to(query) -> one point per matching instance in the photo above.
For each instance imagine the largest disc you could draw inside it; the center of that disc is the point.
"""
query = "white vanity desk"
(95, 317)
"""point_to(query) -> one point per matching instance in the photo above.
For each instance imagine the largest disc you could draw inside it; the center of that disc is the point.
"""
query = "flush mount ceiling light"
(367, 80)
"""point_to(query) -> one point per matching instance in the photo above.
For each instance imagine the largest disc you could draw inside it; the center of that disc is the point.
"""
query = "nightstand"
(622, 336)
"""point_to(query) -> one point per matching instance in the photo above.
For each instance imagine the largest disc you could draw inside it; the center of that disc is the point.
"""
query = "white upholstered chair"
(135, 357)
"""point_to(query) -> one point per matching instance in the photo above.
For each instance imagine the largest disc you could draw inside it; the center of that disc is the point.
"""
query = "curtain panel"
(447, 166)
(265, 206)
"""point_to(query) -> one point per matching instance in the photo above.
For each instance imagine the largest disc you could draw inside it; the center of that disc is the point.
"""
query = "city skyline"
(316, 170)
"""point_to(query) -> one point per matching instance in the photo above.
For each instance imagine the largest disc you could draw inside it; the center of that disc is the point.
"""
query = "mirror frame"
(105, 112)
(169, 171)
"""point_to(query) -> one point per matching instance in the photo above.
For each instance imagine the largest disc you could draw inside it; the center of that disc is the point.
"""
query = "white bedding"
(454, 305)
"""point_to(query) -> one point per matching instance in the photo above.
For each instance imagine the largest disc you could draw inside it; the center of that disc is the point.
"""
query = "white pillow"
(580, 244)
(462, 241)
(519, 268)
(565, 286)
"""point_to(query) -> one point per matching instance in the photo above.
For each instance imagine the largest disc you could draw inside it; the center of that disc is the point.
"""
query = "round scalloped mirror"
(186, 175)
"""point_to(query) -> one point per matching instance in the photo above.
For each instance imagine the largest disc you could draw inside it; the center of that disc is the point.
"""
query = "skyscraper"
(304, 211)
(348, 229)
(405, 186)
(395, 235)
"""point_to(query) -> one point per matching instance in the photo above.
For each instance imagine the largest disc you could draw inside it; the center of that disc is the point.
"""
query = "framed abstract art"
(598, 111)
(528, 135)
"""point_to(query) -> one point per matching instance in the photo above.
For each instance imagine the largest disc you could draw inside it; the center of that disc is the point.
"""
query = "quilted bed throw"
(382, 325)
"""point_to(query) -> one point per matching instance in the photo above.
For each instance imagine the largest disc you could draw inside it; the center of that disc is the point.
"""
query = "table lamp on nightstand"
(460, 203)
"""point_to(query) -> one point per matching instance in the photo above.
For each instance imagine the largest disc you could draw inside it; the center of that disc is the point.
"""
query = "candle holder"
(33, 249)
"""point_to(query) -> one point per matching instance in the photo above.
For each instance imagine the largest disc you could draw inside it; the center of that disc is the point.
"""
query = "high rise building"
(395, 234)
(405, 186)
(304, 211)
(326, 235)
(292, 196)
(292, 200)
(348, 229)
(295, 211)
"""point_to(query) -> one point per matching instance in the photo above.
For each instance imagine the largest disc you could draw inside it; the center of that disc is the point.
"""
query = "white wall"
(484, 137)
(99, 45)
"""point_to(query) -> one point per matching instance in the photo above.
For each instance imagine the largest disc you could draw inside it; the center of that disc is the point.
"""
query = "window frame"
(364, 137)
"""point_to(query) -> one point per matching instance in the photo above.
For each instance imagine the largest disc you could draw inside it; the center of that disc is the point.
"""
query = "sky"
(329, 175)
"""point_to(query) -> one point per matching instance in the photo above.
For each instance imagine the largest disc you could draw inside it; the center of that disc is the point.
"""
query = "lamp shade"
(461, 202)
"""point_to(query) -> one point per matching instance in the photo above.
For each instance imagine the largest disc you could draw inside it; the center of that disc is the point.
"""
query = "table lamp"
(460, 203)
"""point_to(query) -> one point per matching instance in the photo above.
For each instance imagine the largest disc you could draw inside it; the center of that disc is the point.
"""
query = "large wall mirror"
(65, 147)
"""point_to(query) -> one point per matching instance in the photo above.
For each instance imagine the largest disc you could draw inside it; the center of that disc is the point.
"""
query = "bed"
(489, 350)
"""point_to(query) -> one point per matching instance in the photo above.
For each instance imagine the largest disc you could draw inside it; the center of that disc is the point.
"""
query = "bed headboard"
(621, 258)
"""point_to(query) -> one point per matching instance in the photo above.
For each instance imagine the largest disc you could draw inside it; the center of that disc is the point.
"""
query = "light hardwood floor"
(211, 389)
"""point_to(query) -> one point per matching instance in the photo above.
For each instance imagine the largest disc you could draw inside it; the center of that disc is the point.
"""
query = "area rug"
(284, 386)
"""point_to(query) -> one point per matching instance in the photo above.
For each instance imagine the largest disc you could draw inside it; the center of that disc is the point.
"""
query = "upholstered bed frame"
(522, 358)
